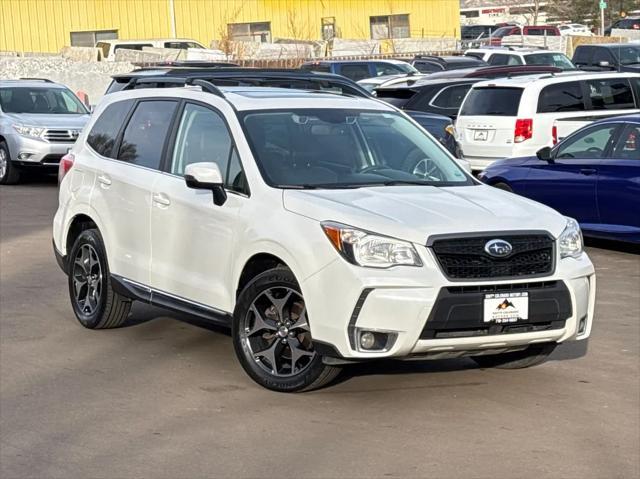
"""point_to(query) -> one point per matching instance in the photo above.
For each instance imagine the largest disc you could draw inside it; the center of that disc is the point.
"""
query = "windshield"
(40, 100)
(331, 148)
(552, 59)
(627, 55)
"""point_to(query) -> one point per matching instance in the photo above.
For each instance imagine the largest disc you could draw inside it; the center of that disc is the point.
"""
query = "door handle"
(104, 179)
(587, 171)
(161, 199)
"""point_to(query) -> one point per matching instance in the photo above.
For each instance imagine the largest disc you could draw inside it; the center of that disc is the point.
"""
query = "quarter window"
(592, 144)
(104, 132)
(610, 94)
(561, 97)
(628, 147)
(145, 133)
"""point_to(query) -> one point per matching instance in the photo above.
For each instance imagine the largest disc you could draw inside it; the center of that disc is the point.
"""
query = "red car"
(496, 38)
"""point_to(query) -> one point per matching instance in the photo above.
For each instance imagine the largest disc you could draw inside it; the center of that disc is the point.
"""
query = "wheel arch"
(254, 265)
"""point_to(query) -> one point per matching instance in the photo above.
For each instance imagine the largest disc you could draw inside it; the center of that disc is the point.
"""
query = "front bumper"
(31, 152)
(408, 303)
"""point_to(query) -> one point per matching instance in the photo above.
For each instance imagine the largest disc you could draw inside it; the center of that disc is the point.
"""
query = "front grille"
(61, 136)
(466, 259)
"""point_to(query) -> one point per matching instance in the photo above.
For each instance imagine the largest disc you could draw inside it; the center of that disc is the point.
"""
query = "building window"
(390, 26)
(328, 28)
(470, 14)
(90, 38)
(250, 32)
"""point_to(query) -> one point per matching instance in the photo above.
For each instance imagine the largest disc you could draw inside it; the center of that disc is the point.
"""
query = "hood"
(413, 213)
(52, 121)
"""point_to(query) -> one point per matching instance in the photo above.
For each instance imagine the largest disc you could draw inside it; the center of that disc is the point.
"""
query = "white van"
(511, 117)
(109, 47)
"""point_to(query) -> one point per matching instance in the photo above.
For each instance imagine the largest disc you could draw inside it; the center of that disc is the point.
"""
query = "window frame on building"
(392, 26)
(96, 36)
(328, 28)
(253, 34)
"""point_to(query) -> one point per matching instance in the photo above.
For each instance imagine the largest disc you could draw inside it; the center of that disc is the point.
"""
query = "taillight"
(66, 162)
(554, 134)
(523, 131)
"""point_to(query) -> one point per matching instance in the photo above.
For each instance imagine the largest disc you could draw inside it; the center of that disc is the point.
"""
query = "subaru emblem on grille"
(498, 248)
(74, 133)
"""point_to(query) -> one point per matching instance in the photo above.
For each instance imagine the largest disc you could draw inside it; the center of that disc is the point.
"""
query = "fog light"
(367, 340)
(582, 326)
(25, 156)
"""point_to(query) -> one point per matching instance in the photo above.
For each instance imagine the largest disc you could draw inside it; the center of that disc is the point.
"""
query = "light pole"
(172, 18)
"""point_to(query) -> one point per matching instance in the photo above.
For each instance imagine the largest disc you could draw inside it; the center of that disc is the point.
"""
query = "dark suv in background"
(360, 69)
(431, 64)
(623, 57)
(629, 23)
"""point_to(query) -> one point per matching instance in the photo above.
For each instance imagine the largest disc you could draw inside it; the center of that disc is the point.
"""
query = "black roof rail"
(429, 57)
(177, 81)
(46, 80)
(205, 85)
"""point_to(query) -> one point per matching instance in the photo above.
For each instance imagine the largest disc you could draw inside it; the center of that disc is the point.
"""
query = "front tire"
(271, 335)
(9, 173)
(531, 356)
(95, 303)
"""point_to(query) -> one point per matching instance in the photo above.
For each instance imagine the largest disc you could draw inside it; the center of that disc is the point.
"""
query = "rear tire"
(9, 173)
(271, 335)
(503, 186)
(532, 356)
(95, 303)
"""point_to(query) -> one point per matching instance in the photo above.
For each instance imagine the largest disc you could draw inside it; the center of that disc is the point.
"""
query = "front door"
(619, 184)
(192, 238)
(568, 182)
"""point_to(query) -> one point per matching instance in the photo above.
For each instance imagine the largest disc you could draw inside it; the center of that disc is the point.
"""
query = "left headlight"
(570, 241)
(30, 131)
(368, 249)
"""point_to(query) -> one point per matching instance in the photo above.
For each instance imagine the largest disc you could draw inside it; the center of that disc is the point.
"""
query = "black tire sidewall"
(270, 279)
(93, 238)
(12, 174)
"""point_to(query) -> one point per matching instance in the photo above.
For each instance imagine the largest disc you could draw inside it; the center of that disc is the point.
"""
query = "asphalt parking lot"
(166, 398)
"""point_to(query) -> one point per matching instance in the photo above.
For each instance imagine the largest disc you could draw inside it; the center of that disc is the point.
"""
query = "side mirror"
(604, 64)
(544, 154)
(206, 176)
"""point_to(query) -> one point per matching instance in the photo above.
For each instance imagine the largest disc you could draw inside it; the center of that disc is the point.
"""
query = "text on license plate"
(506, 307)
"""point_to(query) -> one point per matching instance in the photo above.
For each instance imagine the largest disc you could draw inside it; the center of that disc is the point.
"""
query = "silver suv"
(39, 122)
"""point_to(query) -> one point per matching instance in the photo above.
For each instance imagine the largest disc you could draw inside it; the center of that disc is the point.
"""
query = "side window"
(203, 137)
(104, 132)
(451, 97)
(386, 69)
(502, 59)
(145, 133)
(355, 71)
(628, 147)
(591, 144)
(610, 94)
(561, 97)
(427, 67)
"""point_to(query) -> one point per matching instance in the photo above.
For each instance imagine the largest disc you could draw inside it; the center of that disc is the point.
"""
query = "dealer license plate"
(481, 135)
(506, 307)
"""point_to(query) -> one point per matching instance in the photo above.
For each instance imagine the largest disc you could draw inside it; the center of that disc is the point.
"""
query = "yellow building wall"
(45, 25)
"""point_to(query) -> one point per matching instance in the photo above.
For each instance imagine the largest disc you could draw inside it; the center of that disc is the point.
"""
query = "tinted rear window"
(104, 132)
(398, 98)
(492, 101)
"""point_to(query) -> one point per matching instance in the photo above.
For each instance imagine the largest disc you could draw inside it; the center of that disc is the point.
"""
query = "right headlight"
(29, 131)
(570, 241)
(363, 248)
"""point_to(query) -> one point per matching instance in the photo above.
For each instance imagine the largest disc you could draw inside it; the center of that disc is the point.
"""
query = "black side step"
(140, 292)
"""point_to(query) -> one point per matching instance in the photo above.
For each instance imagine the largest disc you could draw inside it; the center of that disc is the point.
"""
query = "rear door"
(568, 183)
(486, 123)
(619, 184)
(124, 179)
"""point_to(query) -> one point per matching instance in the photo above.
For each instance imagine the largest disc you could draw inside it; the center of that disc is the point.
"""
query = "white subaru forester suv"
(292, 217)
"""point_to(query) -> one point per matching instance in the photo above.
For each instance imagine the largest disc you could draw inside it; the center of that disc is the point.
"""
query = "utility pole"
(172, 18)
(603, 5)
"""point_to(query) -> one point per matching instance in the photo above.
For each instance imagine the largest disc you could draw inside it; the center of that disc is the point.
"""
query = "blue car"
(593, 176)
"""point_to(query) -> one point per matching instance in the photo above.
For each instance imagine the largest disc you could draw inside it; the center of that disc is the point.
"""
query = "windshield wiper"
(319, 186)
